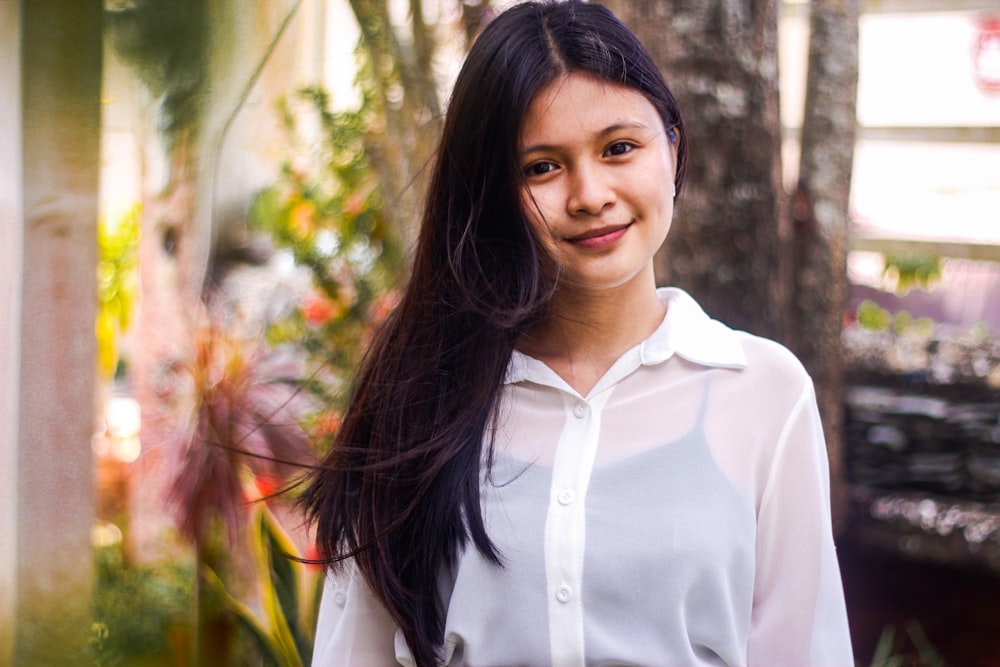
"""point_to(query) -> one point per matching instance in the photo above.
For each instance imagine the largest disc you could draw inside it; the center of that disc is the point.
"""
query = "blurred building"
(927, 158)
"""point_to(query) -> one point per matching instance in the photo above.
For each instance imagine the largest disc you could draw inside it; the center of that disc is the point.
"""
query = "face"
(599, 173)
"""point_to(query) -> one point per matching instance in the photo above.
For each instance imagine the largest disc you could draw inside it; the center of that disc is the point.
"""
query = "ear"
(673, 135)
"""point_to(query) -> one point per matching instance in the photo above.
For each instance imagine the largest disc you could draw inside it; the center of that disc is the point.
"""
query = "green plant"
(912, 649)
(328, 210)
(287, 594)
(247, 416)
(246, 405)
(117, 283)
(874, 317)
(912, 270)
(141, 613)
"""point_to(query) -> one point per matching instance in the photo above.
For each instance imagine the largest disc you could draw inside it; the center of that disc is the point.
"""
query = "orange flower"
(319, 309)
(267, 485)
(264, 487)
(302, 218)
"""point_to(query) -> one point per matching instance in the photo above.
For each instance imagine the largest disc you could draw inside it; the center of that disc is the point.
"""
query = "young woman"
(546, 460)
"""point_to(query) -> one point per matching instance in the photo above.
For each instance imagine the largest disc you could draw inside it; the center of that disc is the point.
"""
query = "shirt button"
(339, 598)
(565, 497)
(580, 410)
(564, 593)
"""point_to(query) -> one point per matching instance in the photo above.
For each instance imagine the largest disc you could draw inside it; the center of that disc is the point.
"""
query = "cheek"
(661, 212)
(659, 191)
(668, 215)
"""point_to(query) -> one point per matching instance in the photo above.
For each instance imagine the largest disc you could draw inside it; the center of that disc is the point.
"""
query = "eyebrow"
(609, 130)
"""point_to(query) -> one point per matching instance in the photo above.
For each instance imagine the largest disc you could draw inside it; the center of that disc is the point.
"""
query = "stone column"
(48, 207)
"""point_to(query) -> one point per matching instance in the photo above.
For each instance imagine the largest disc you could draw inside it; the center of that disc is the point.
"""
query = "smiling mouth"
(600, 238)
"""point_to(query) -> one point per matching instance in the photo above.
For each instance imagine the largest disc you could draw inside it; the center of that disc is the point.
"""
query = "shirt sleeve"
(353, 627)
(798, 616)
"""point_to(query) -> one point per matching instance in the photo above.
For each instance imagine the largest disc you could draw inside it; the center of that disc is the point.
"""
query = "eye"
(619, 148)
(539, 168)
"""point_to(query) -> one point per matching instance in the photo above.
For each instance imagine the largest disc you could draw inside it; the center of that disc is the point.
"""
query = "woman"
(546, 460)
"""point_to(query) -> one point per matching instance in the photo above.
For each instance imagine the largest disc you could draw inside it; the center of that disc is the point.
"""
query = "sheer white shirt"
(678, 515)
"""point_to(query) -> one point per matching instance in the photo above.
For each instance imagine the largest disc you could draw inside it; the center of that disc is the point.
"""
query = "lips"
(601, 237)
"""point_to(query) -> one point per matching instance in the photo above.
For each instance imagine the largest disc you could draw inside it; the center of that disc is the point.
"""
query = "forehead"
(576, 106)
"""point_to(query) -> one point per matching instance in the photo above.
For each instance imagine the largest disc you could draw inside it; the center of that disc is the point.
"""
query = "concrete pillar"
(48, 207)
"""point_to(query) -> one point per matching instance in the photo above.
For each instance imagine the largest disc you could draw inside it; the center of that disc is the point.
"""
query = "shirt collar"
(685, 331)
(692, 335)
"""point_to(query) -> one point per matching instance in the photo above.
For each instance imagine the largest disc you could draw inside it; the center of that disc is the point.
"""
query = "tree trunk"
(50, 107)
(820, 216)
(733, 245)
(720, 60)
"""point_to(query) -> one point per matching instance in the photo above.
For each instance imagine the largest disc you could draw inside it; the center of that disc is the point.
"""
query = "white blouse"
(678, 515)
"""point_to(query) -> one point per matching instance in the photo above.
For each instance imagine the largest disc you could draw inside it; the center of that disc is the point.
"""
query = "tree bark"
(720, 60)
(820, 213)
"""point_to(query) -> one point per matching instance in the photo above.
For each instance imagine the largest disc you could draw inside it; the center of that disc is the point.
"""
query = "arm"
(353, 627)
(798, 617)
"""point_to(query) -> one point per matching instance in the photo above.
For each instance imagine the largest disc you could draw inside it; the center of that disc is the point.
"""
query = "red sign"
(986, 55)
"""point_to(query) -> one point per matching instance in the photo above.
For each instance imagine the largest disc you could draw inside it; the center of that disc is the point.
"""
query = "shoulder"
(770, 359)
(772, 387)
(774, 381)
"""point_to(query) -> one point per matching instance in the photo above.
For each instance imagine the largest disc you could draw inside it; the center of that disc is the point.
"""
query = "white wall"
(916, 70)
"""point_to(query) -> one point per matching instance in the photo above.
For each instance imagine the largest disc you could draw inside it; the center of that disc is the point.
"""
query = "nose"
(590, 190)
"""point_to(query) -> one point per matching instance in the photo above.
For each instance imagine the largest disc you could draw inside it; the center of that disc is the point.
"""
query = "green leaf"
(266, 642)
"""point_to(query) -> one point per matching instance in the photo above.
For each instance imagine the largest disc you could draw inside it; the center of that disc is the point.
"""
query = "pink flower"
(246, 409)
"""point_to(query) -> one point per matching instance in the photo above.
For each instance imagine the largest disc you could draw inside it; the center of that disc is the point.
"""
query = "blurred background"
(206, 208)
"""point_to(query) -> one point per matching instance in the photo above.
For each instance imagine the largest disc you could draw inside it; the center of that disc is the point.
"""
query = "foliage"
(400, 102)
(247, 399)
(328, 210)
(117, 283)
(874, 317)
(911, 270)
(165, 42)
(138, 609)
(246, 405)
(287, 593)
(912, 649)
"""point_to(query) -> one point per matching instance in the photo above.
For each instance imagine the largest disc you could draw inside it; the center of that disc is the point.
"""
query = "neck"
(587, 332)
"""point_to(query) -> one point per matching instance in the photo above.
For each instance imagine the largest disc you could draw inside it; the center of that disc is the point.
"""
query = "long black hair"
(399, 491)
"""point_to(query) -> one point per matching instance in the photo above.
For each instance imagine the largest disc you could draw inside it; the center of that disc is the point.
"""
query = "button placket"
(565, 534)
